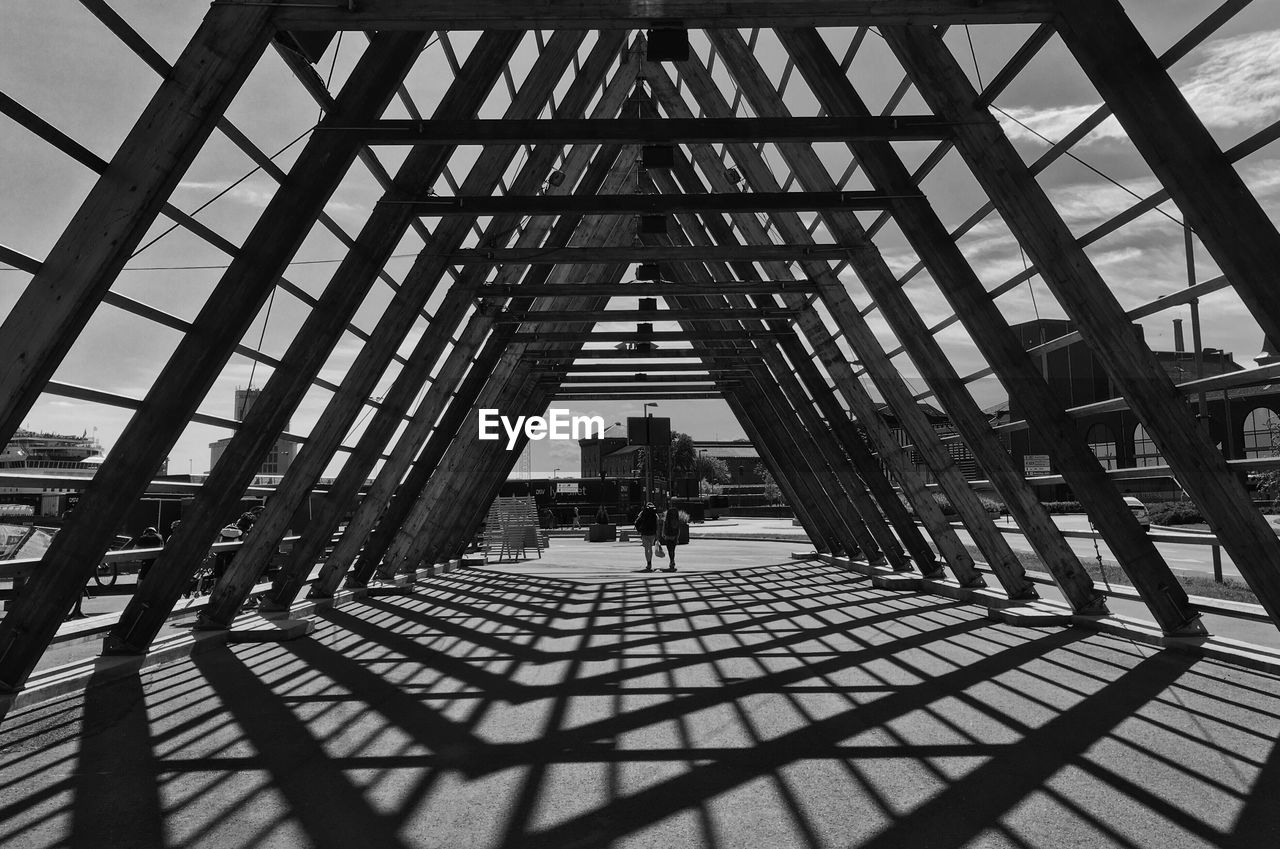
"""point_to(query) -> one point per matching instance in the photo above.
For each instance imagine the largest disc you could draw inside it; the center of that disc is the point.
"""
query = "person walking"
(675, 531)
(149, 538)
(647, 528)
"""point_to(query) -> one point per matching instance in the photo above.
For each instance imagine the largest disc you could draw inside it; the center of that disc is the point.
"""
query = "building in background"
(1243, 421)
(740, 456)
(599, 455)
(959, 450)
(282, 452)
(48, 454)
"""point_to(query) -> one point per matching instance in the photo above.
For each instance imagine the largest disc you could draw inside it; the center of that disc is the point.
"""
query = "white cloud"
(1235, 84)
(253, 194)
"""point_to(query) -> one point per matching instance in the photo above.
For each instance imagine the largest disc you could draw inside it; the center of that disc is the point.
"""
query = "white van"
(1139, 511)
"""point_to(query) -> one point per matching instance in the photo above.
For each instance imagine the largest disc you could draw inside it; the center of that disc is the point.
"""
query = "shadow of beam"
(117, 801)
(321, 799)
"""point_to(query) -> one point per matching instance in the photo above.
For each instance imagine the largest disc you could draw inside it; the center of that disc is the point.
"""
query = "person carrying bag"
(647, 528)
(675, 532)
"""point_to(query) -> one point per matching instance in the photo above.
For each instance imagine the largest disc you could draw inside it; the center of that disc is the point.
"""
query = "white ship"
(44, 454)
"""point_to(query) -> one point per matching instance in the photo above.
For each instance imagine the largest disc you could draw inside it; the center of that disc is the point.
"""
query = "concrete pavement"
(568, 702)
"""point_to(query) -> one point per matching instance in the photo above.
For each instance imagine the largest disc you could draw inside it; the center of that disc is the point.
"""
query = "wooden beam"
(833, 359)
(650, 204)
(648, 289)
(642, 130)
(388, 335)
(634, 396)
(194, 365)
(59, 299)
(449, 394)
(632, 336)
(868, 469)
(570, 380)
(783, 453)
(464, 461)
(880, 546)
(547, 357)
(817, 64)
(611, 316)
(271, 245)
(999, 346)
(857, 523)
(461, 480)
(1004, 562)
(628, 14)
(1085, 296)
(654, 370)
(445, 396)
(307, 353)
(657, 253)
(486, 386)
(648, 392)
(389, 500)
(1219, 207)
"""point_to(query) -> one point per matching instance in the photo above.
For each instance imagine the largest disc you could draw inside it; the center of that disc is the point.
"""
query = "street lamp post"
(648, 450)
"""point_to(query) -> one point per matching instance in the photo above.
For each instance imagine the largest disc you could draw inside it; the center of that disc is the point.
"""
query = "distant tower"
(282, 453)
(244, 400)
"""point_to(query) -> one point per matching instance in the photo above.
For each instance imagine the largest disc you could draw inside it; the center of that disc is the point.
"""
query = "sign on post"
(1035, 464)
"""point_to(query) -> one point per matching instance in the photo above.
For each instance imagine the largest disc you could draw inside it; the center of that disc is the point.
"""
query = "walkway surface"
(571, 702)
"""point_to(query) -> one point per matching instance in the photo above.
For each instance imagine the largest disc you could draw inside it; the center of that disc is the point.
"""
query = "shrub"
(994, 507)
(1063, 506)
(1174, 513)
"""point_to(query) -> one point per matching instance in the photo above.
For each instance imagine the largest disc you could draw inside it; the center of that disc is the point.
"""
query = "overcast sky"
(59, 61)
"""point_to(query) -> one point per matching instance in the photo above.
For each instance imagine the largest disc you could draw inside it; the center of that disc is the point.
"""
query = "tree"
(1267, 483)
(684, 459)
(772, 492)
(712, 469)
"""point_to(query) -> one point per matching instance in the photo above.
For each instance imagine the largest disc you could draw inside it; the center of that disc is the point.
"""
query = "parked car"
(1139, 511)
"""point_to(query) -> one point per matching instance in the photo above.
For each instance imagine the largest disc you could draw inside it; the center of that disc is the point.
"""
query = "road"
(1180, 555)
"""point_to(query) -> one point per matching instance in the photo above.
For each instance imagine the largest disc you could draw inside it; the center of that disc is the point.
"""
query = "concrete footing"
(261, 629)
(1044, 613)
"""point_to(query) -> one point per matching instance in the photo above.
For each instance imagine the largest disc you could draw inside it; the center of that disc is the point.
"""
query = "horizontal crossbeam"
(647, 130)
(652, 369)
(652, 253)
(653, 353)
(642, 391)
(595, 380)
(648, 289)
(637, 396)
(628, 14)
(633, 336)
(600, 316)
(651, 204)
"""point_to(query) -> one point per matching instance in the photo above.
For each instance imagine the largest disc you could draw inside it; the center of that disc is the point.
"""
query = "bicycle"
(106, 573)
(201, 583)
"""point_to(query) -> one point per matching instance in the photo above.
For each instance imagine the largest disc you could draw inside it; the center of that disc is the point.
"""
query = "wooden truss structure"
(523, 186)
